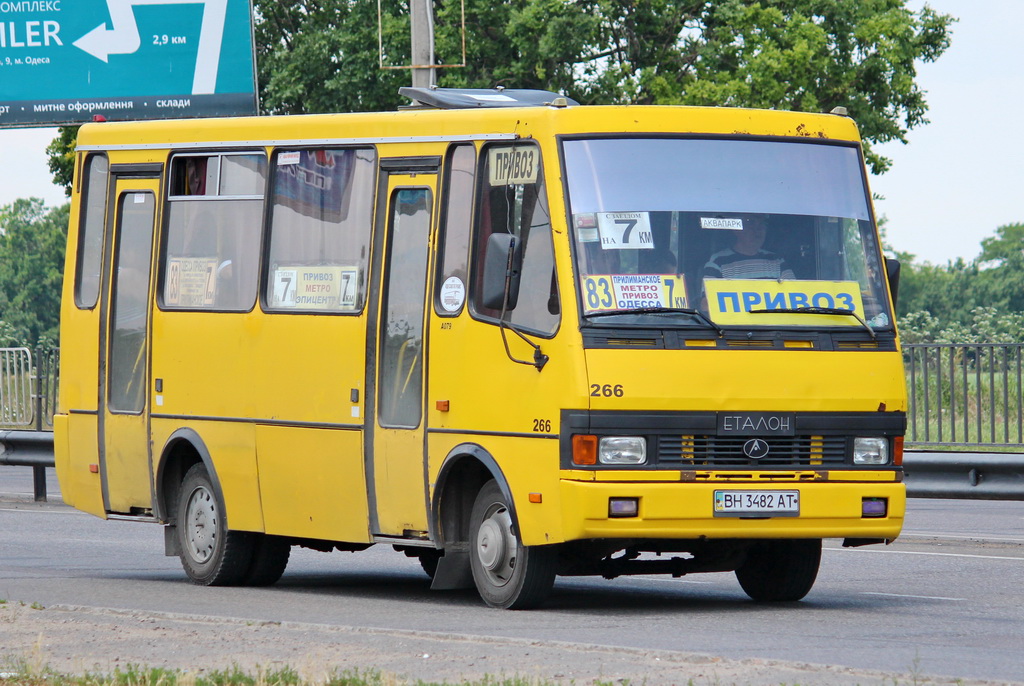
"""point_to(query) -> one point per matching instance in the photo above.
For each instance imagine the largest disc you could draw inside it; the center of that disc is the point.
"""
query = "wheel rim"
(496, 546)
(201, 520)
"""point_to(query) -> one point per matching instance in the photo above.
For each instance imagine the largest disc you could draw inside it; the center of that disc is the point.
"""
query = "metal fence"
(17, 407)
(28, 387)
(965, 394)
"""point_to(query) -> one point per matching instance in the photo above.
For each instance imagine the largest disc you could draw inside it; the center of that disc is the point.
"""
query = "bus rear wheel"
(269, 559)
(779, 571)
(507, 573)
(210, 554)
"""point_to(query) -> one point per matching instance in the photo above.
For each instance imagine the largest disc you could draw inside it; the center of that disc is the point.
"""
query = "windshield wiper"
(697, 314)
(821, 310)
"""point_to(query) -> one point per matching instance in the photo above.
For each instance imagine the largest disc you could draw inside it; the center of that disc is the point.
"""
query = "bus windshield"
(745, 232)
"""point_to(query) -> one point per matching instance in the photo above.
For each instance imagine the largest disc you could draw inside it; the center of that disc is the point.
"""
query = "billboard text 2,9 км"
(64, 61)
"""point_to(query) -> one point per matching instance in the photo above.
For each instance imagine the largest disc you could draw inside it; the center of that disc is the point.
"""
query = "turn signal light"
(584, 449)
(897, 451)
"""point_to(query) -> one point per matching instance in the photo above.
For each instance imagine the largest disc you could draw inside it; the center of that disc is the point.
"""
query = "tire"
(780, 571)
(507, 573)
(210, 554)
(269, 559)
(429, 560)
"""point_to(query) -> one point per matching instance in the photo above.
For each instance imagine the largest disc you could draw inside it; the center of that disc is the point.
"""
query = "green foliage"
(321, 56)
(966, 302)
(61, 152)
(32, 240)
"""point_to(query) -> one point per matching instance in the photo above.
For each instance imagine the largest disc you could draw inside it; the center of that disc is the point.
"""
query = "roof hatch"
(468, 98)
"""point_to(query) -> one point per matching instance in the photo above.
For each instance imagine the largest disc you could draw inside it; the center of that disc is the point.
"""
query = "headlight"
(870, 451)
(622, 450)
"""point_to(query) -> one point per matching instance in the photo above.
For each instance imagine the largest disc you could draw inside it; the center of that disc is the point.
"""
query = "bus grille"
(727, 451)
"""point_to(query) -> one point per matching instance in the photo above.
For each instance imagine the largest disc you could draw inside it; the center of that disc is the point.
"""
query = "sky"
(957, 179)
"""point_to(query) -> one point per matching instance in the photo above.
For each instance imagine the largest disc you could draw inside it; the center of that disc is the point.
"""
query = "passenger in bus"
(747, 259)
(195, 176)
(661, 260)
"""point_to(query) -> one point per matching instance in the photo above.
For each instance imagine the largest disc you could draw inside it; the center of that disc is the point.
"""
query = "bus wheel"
(210, 554)
(269, 559)
(782, 570)
(507, 573)
(429, 560)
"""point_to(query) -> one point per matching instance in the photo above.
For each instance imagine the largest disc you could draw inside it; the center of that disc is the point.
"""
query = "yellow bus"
(508, 335)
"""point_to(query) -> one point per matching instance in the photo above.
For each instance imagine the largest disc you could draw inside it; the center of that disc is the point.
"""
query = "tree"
(321, 56)
(966, 301)
(32, 240)
(61, 152)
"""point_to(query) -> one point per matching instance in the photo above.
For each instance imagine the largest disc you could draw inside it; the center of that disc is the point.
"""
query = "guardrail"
(979, 476)
(987, 476)
(959, 396)
(29, 449)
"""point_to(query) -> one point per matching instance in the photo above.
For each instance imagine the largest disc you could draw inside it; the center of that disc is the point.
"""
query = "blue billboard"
(69, 61)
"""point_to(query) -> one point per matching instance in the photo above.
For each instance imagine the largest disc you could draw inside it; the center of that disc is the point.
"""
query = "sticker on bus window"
(316, 288)
(607, 292)
(740, 301)
(289, 158)
(722, 223)
(513, 165)
(191, 281)
(586, 227)
(625, 231)
(453, 294)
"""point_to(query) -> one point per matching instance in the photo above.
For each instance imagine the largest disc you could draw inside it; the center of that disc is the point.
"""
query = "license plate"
(757, 503)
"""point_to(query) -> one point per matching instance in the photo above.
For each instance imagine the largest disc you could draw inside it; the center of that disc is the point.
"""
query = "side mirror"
(502, 260)
(892, 273)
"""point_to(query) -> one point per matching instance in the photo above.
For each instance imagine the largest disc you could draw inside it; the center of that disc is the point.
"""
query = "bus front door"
(125, 456)
(396, 454)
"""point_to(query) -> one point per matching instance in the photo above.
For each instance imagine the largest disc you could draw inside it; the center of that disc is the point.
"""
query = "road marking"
(40, 510)
(916, 552)
(648, 577)
(904, 595)
(962, 537)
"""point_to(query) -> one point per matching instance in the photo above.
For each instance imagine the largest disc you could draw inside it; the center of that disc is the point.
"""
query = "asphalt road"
(946, 599)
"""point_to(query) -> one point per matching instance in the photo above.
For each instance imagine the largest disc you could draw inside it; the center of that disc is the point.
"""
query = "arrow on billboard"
(123, 37)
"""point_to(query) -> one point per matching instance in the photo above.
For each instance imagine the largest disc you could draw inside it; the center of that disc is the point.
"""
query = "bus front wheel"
(780, 570)
(210, 554)
(507, 573)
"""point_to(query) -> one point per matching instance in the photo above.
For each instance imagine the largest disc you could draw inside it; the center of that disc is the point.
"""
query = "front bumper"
(685, 510)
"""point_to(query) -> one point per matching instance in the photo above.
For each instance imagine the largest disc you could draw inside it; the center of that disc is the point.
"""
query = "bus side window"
(320, 223)
(214, 221)
(460, 178)
(513, 200)
(90, 238)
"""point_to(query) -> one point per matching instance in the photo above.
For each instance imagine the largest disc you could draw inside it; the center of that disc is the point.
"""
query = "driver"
(746, 259)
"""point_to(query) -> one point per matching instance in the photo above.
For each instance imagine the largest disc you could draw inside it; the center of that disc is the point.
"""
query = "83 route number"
(606, 390)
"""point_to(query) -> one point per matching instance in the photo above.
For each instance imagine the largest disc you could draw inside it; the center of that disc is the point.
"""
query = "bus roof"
(486, 122)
